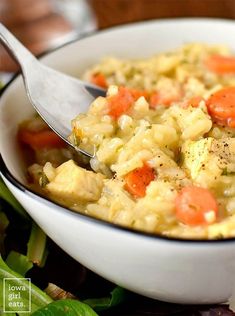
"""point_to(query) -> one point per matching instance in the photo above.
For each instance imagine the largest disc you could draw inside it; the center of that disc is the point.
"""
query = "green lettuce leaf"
(66, 307)
(38, 297)
(36, 247)
(118, 295)
(18, 262)
(4, 222)
(6, 195)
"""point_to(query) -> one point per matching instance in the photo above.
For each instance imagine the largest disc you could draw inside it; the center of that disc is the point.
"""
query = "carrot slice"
(120, 103)
(154, 100)
(196, 206)
(42, 139)
(138, 180)
(138, 93)
(99, 80)
(221, 64)
(194, 102)
(165, 99)
(221, 106)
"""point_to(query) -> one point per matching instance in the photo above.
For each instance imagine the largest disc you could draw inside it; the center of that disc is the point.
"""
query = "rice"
(165, 136)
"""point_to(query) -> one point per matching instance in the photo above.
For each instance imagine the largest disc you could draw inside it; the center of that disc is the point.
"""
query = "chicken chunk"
(206, 159)
(71, 184)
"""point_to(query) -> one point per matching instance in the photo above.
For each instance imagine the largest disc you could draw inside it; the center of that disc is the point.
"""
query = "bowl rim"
(43, 199)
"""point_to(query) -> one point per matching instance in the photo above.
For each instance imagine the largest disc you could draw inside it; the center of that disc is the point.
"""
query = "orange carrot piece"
(221, 106)
(196, 206)
(42, 139)
(138, 93)
(194, 102)
(154, 100)
(157, 98)
(99, 80)
(221, 64)
(138, 180)
(120, 103)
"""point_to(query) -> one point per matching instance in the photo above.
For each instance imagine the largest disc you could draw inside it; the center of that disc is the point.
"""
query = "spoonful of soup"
(57, 97)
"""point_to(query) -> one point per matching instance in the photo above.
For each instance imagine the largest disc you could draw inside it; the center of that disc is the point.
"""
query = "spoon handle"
(21, 54)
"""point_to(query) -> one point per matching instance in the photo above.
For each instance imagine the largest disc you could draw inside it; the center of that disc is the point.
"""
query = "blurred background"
(45, 24)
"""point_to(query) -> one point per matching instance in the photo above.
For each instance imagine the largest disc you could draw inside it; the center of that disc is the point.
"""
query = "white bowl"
(166, 269)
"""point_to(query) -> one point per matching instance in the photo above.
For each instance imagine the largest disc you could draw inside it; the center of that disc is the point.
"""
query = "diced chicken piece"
(208, 158)
(73, 184)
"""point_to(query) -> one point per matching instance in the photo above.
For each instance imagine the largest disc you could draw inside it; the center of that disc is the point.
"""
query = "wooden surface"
(115, 12)
(36, 23)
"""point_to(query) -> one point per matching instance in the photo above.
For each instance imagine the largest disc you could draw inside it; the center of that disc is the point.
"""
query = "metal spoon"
(58, 98)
